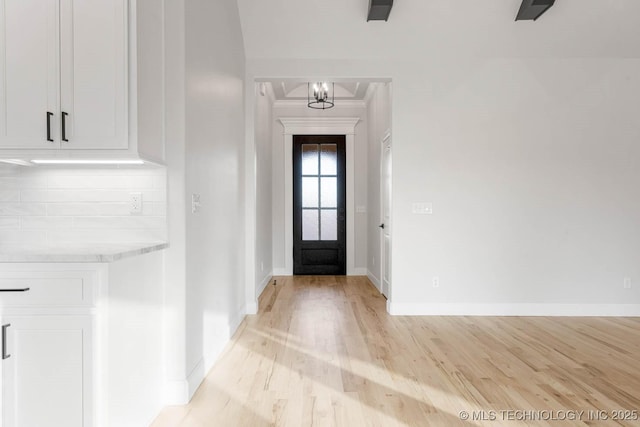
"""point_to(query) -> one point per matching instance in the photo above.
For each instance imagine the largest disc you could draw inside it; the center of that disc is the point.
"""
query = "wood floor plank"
(322, 351)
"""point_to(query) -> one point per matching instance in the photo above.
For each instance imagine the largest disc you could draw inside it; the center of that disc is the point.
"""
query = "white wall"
(134, 358)
(176, 389)
(214, 169)
(263, 126)
(205, 148)
(43, 205)
(529, 166)
(360, 176)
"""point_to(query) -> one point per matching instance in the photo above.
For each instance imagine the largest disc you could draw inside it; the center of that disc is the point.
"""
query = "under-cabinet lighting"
(86, 162)
(15, 162)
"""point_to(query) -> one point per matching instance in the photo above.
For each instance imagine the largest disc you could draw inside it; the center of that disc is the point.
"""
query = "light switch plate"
(422, 208)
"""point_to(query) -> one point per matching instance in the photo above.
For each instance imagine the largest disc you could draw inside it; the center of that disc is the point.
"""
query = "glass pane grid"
(329, 192)
(328, 159)
(310, 224)
(319, 192)
(329, 224)
(310, 159)
(310, 192)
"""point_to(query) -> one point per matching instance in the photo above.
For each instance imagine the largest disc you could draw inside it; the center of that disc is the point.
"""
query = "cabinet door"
(94, 74)
(46, 379)
(29, 67)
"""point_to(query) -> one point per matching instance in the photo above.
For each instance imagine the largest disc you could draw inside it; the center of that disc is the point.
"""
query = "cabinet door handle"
(64, 127)
(49, 114)
(15, 290)
(4, 341)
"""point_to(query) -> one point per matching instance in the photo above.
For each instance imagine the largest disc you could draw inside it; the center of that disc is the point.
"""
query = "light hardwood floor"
(322, 351)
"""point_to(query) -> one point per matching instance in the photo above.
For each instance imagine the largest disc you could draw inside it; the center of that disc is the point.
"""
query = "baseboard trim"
(235, 322)
(176, 392)
(205, 364)
(359, 271)
(575, 310)
(154, 415)
(252, 306)
(195, 378)
(263, 284)
(374, 279)
(282, 272)
(212, 355)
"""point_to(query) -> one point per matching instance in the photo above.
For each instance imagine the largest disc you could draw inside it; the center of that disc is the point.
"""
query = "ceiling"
(324, 29)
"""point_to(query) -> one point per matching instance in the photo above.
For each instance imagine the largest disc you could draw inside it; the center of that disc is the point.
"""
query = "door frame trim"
(319, 126)
(386, 139)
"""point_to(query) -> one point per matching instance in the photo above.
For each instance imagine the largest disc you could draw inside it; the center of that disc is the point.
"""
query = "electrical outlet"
(373, 260)
(626, 283)
(436, 282)
(195, 203)
(135, 200)
(262, 266)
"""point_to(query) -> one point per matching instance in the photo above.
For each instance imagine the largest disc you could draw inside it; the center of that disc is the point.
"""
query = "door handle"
(64, 127)
(381, 226)
(4, 341)
(49, 114)
(15, 290)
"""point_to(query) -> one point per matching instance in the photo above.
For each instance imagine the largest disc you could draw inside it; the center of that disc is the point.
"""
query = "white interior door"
(29, 74)
(385, 183)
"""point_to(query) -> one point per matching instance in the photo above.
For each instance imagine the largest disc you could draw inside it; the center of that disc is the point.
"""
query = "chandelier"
(318, 95)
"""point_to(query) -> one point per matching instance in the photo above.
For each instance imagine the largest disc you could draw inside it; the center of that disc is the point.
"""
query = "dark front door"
(319, 202)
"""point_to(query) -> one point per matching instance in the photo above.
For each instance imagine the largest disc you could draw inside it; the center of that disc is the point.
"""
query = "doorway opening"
(319, 126)
(362, 115)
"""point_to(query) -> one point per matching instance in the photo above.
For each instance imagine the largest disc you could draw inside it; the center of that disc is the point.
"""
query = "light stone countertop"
(75, 252)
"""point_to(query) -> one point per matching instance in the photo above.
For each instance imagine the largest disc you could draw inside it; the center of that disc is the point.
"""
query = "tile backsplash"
(59, 205)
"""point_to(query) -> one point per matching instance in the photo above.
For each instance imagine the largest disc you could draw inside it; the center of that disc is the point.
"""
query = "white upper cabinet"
(29, 73)
(93, 74)
(81, 79)
(64, 68)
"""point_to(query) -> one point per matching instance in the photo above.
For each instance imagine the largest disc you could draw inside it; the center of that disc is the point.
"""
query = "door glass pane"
(309, 192)
(329, 224)
(309, 159)
(329, 194)
(329, 159)
(310, 230)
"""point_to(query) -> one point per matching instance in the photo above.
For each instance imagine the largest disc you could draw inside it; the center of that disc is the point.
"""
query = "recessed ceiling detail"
(296, 90)
(530, 10)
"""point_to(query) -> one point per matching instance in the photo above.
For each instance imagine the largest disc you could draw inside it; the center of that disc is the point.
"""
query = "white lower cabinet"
(82, 343)
(46, 371)
(47, 349)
